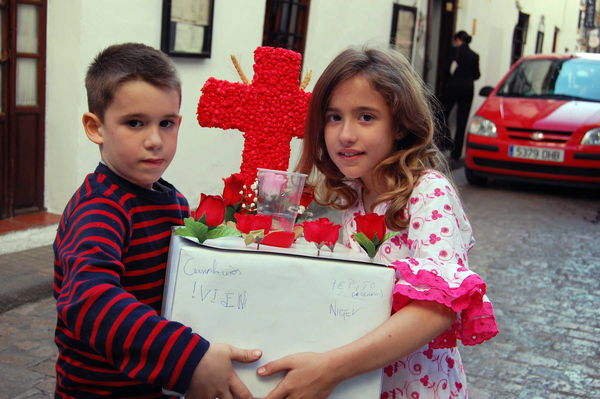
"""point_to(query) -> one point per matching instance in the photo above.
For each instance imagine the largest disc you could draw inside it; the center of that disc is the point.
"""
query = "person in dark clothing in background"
(461, 69)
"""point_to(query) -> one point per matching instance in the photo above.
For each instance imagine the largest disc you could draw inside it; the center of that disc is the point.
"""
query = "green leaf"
(230, 211)
(198, 227)
(223, 231)
(365, 243)
(388, 236)
(376, 241)
(193, 228)
(183, 231)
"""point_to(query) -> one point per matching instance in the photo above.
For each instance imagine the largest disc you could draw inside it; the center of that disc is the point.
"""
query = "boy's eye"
(166, 123)
(134, 123)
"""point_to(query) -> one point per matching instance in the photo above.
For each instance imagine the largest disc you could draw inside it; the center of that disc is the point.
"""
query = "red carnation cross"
(269, 112)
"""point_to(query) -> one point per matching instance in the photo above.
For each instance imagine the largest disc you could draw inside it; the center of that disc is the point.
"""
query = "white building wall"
(334, 25)
(341, 23)
(78, 30)
(204, 155)
(64, 103)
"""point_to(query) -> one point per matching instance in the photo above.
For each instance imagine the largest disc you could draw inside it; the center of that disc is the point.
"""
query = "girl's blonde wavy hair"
(413, 108)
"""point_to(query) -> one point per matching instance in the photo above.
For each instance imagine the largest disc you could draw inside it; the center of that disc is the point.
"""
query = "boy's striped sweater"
(110, 258)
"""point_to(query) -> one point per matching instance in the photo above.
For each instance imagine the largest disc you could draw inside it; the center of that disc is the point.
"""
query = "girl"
(369, 133)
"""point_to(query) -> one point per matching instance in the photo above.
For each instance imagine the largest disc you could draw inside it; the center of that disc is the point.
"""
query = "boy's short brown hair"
(121, 63)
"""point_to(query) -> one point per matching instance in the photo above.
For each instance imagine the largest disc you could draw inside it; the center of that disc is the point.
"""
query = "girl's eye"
(134, 123)
(332, 118)
(366, 118)
(166, 123)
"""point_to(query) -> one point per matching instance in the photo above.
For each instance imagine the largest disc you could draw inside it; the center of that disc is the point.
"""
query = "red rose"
(371, 224)
(282, 239)
(247, 222)
(213, 208)
(307, 197)
(321, 232)
(233, 186)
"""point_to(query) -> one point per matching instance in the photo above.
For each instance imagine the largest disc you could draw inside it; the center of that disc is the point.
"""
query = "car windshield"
(570, 79)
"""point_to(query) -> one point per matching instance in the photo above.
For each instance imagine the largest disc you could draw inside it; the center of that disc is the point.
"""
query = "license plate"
(540, 154)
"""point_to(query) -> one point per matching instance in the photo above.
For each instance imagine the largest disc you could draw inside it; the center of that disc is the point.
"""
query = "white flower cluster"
(252, 196)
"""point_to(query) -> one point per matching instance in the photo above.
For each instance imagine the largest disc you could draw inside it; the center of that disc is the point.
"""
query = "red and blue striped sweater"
(109, 268)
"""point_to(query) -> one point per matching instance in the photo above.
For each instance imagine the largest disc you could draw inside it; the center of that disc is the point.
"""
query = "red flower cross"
(270, 111)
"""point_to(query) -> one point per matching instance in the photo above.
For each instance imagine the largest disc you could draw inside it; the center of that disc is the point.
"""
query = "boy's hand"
(214, 376)
(308, 376)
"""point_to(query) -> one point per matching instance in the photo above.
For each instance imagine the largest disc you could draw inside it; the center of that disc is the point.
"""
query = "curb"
(32, 293)
(25, 276)
(27, 239)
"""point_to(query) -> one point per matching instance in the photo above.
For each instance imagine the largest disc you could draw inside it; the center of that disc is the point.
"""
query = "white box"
(281, 301)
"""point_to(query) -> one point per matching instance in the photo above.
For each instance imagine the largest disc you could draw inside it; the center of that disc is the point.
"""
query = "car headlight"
(482, 127)
(592, 137)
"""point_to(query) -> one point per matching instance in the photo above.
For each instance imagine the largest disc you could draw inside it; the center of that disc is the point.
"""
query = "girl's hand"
(308, 376)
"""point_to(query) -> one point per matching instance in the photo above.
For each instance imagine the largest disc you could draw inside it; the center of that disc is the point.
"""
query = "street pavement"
(27, 351)
(537, 249)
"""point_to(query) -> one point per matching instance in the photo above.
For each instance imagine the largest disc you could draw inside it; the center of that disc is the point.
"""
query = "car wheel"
(473, 178)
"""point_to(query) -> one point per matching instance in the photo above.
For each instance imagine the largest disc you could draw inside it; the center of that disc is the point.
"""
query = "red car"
(541, 123)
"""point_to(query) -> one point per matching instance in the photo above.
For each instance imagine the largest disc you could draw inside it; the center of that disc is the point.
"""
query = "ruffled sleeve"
(430, 259)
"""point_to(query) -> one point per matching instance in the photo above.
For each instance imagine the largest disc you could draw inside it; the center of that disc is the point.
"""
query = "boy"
(112, 244)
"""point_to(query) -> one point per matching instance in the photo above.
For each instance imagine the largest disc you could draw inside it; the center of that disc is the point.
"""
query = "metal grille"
(550, 136)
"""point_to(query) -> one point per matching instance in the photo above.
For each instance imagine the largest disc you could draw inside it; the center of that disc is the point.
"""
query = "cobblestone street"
(27, 351)
(538, 249)
(538, 252)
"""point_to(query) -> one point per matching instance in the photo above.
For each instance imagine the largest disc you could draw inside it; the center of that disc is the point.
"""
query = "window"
(565, 79)
(403, 29)
(285, 24)
(187, 27)
(555, 39)
(539, 42)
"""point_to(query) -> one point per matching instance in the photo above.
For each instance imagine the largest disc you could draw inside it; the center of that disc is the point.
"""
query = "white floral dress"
(430, 259)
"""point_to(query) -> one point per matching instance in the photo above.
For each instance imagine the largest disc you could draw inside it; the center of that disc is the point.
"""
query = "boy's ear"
(92, 126)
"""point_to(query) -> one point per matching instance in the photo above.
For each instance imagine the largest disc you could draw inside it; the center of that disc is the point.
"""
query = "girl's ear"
(92, 126)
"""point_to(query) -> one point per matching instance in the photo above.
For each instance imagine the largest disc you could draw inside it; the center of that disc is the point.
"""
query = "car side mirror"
(485, 91)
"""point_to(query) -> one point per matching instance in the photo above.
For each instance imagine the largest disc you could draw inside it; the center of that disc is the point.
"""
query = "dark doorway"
(441, 20)
(22, 84)
(519, 37)
(555, 38)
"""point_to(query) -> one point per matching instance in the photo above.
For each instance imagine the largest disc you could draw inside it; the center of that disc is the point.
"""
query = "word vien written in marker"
(220, 297)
